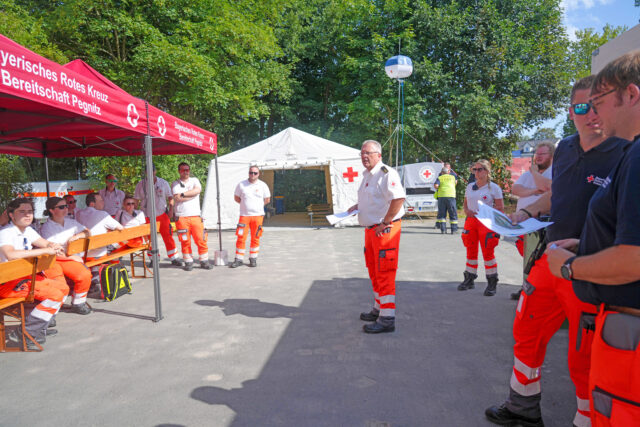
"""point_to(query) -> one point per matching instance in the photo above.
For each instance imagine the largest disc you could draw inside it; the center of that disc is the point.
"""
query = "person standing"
(17, 241)
(112, 197)
(164, 211)
(446, 187)
(537, 180)
(580, 165)
(186, 193)
(252, 194)
(380, 209)
(61, 229)
(474, 233)
(605, 270)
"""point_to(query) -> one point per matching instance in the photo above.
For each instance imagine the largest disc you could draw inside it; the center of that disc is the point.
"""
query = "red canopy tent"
(49, 110)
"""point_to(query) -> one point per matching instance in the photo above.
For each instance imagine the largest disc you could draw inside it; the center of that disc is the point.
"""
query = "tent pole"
(151, 194)
(218, 197)
(46, 167)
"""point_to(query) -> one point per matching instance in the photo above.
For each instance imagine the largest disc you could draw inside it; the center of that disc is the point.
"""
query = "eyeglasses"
(477, 169)
(61, 207)
(184, 170)
(71, 202)
(368, 153)
(602, 95)
(130, 204)
(254, 173)
(112, 180)
(581, 109)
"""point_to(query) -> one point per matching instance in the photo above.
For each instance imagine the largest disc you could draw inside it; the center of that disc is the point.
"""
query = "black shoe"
(150, 264)
(50, 332)
(516, 295)
(83, 308)
(236, 263)
(253, 262)
(502, 416)
(371, 316)
(378, 328)
(492, 284)
(467, 283)
(177, 262)
(52, 323)
(206, 265)
(17, 338)
(188, 266)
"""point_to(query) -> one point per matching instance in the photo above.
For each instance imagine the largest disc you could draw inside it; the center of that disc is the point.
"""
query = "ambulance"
(418, 180)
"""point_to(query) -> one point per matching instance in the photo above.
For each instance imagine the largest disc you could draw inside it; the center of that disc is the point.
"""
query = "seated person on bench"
(62, 229)
(129, 218)
(16, 241)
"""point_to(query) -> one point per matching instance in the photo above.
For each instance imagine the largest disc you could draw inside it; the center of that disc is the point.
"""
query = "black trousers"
(447, 204)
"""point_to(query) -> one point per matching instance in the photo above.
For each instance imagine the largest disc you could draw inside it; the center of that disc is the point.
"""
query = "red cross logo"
(393, 184)
(590, 179)
(484, 197)
(350, 174)
(426, 173)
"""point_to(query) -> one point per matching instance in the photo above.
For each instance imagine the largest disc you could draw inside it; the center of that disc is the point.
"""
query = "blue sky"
(580, 14)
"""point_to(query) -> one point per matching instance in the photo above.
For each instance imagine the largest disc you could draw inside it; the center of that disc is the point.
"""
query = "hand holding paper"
(500, 223)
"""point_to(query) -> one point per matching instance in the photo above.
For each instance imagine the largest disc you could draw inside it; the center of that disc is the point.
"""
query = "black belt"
(375, 225)
(626, 310)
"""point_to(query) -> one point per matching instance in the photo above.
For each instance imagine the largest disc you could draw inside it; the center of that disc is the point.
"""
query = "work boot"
(50, 332)
(188, 266)
(15, 337)
(371, 316)
(52, 323)
(177, 262)
(454, 229)
(443, 228)
(492, 283)
(516, 295)
(253, 262)
(502, 416)
(206, 265)
(467, 283)
(83, 308)
(236, 263)
(383, 324)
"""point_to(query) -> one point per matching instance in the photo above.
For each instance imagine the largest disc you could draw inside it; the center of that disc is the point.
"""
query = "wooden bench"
(83, 245)
(14, 307)
(318, 209)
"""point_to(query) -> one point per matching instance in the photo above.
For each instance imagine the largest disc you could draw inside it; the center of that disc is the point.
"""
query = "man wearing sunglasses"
(186, 194)
(252, 194)
(605, 270)
(112, 197)
(71, 205)
(580, 165)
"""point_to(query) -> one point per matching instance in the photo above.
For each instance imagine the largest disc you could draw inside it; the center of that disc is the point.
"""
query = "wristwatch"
(182, 195)
(565, 270)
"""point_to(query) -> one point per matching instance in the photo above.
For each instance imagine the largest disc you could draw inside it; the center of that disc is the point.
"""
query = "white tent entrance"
(287, 150)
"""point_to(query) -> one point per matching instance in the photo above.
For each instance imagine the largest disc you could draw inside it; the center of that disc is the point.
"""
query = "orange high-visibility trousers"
(614, 379)
(475, 233)
(249, 225)
(79, 274)
(192, 226)
(381, 258)
(545, 302)
(165, 231)
(51, 292)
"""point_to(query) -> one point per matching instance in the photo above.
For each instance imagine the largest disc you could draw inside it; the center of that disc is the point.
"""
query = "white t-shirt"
(190, 207)
(56, 233)
(112, 200)
(128, 221)
(10, 235)
(163, 190)
(98, 222)
(526, 180)
(378, 188)
(487, 194)
(252, 197)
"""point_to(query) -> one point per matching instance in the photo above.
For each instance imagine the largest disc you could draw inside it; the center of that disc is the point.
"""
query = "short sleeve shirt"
(613, 219)
(378, 188)
(128, 220)
(526, 180)
(190, 207)
(252, 197)
(98, 222)
(163, 191)
(487, 194)
(576, 176)
(57, 233)
(10, 235)
(112, 200)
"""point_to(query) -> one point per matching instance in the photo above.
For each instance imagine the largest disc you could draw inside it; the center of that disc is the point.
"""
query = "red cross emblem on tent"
(132, 115)
(590, 179)
(426, 173)
(350, 174)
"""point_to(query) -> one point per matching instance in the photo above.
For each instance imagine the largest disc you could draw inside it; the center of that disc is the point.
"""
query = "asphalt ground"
(282, 344)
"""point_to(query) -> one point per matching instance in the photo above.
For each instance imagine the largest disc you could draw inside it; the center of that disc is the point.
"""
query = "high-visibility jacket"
(447, 186)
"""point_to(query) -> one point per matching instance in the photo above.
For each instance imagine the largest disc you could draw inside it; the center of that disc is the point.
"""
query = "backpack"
(114, 281)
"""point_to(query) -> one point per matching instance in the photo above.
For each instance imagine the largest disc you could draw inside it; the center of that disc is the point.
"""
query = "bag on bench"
(114, 281)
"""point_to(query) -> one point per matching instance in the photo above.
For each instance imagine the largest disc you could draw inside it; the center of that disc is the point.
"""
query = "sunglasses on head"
(61, 207)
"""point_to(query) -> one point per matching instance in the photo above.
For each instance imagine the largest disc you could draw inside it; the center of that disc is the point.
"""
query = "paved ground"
(282, 345)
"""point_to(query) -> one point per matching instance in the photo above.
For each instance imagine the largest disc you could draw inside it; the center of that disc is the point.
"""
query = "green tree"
(13, 180)
(587, 42)
(544, 133)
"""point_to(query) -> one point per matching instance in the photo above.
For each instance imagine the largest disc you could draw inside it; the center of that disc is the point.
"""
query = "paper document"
(336, 218)
(496, 221)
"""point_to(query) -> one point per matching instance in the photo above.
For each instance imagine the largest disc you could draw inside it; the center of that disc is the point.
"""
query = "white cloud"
(569, 5)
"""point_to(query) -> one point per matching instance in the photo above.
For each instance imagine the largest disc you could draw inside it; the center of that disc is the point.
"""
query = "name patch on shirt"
(596, 180)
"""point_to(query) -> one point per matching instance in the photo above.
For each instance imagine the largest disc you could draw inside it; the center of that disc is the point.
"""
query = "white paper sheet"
(336, 218)
(498, 222)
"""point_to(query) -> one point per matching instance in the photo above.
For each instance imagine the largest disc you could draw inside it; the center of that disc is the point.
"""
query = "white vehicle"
(418, 180)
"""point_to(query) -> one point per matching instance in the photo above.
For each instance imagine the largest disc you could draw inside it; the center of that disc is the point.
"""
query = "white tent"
(289, 149)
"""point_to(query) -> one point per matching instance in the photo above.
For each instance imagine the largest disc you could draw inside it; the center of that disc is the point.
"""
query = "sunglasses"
(112, 180)
(61, 207)
(477, 169)
(71, 202)
(184, 170)
(592, 100)
(130, 203)
(581, 109)
(254, 173)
